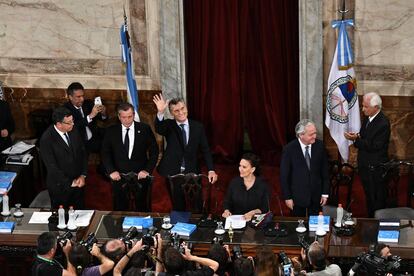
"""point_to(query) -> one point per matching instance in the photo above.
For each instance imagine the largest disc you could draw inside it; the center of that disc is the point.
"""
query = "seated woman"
(247, 194)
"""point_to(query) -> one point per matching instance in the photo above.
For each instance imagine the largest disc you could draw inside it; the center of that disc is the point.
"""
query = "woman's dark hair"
(254, 161)
(243, 267)
(219, 254)
(266, 263)
(80, 258)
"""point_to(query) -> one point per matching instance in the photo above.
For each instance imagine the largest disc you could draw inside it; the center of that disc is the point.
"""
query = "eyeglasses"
(68, 123)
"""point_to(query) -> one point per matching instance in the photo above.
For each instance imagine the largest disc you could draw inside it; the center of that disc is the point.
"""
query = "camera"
(217, 240)
(304, 244)
(62, 239)
(148, 239)
(237, 252)
(373, 264)
(90, 240)
(131, 234)
(177, 243)
(285, 262)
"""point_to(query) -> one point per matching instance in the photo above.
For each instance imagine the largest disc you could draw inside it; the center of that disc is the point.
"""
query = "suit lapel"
(299, 154)
(59, 140)
(177, 131)
(137, 134)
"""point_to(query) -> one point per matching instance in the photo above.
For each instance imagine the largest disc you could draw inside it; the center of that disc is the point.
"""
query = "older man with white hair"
(372, 143)
(304, 171)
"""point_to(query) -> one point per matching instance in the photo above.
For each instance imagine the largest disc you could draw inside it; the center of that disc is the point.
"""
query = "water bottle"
(319, 230)
(339, 215)
(71, 221)
(61, 214)
(6, 210)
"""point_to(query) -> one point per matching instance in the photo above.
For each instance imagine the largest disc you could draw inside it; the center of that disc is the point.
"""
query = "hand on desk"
(226, 214)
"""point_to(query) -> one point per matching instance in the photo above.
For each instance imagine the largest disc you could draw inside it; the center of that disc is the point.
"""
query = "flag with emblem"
(132, 91)
(342, 106)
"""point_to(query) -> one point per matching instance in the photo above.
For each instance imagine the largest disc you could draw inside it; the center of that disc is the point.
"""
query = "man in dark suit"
(372, 144)
(304, 171)
(6, 125)
(85, 115)
(64, 155)
(185, 138)
(129, 147)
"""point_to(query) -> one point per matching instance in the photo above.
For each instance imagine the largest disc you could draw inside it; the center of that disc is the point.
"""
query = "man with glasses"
(63, 152)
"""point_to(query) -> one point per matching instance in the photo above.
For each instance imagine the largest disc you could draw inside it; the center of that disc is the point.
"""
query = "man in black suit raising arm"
(372, 144)
(85, 115)
(185, 138)
(304, 171)
(128, 147)
(64, 155)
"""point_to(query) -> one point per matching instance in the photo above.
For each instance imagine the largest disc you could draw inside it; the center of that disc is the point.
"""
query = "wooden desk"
(366, 234)
(18, 249)
(108, 225)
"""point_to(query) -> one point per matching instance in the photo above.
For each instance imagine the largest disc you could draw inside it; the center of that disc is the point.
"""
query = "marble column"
(172, 55)
(311, 61)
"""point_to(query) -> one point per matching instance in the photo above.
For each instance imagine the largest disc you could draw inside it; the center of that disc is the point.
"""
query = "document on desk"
(18, 148)
(83, 217)
(237, 222)
(40, 218)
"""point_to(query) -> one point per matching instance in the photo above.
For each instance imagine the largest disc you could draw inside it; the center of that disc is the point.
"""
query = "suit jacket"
(82, 122)
(6, 122)
(373, 142)
(297, 181)
(171, 160)
(63, 163)
(144, 154)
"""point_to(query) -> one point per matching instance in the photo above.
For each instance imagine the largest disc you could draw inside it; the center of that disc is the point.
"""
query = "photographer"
(81, 259)
(175, 263)
(44, 263)
(114, 249)
(383, 250)
(221, 254)
(316, 256)
(267, 263)
(243, 266)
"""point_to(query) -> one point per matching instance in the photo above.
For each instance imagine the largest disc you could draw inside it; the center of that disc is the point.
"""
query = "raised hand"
(160, 102)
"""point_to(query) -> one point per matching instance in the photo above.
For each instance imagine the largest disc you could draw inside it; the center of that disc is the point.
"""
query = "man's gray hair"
(374, 99)
(301, 125)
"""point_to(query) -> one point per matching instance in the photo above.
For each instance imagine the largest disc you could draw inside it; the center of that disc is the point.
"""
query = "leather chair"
(395, 213)
(196, 195)
(131, 186)
(340, 175)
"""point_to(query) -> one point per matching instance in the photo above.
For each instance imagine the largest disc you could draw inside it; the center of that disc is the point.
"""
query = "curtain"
(242, 73)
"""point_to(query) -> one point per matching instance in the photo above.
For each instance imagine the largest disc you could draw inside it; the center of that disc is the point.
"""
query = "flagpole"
(342, 11)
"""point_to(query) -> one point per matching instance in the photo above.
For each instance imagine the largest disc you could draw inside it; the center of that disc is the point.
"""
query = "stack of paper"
(18, 148)
(138, 222)
(237, 222)
(313, 223)
(6, 227)
(83, 217)
(183, 229)
(6, 179)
